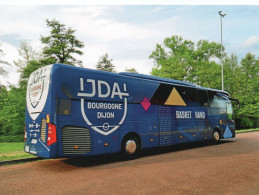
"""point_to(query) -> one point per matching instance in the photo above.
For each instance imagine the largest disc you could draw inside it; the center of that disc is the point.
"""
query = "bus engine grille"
(75, 140)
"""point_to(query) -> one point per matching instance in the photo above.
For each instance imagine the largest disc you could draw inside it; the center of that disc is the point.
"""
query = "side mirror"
(236, 100)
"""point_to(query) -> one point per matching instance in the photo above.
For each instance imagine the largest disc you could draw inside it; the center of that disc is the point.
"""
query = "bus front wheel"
(130, 147)
(216, 136)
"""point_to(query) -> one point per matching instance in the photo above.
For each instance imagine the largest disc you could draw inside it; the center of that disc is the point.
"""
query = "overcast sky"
(128, 33)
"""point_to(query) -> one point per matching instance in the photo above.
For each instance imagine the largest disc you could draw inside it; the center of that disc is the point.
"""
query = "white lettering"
(114, 92)
(105, 114)
(87, 94)
(183, 114)
(100, 94)
(111, 106)
(81, 84)
(200, 115)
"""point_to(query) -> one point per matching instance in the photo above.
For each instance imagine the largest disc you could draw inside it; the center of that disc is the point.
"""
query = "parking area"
(230, 167)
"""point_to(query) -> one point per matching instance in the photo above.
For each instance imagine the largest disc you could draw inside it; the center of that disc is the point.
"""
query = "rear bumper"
(37, 148)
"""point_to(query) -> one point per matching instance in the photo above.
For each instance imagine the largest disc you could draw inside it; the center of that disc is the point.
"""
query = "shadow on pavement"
(92, 161)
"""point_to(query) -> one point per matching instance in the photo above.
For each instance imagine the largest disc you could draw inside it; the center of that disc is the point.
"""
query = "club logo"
(103, 116)
(37, 91)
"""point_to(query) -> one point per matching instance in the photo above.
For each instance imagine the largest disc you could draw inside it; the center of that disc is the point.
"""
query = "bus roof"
(154, 78)
(151, 78)
(170, 81)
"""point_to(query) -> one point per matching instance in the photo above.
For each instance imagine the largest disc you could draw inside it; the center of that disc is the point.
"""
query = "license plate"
(27, 149)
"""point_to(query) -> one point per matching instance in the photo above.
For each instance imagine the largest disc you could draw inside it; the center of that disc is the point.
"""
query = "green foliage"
(2, 63)
(3, 100)
(105, 64)
(247, 84)
(27, 54)
(133, 70)
(61, 44)
(241, 81)
(12, 113)
(186, 61)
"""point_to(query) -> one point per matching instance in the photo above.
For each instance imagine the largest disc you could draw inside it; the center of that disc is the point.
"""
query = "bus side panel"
(104, 89)
(190, 124)
(139, 121)
(144, 123)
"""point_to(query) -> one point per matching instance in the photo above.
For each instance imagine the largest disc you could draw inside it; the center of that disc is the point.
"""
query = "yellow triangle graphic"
(175, 99)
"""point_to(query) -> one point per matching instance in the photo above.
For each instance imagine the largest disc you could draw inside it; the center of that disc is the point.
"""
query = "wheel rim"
(216, 136)
(130, 146)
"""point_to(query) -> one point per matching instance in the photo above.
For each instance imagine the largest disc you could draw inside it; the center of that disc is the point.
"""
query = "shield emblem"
(37, 91)
(104, 122)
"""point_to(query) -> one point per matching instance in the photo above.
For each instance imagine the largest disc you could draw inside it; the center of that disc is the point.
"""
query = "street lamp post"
(222, 79)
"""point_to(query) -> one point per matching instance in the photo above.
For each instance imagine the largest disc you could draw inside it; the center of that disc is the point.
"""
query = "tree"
(3, 100)
(61, 44)
(29, 61)
(133, 70)
(186, 61)
(248, 93)
(105, 64)
(12, 112)
(27, 54)
(232, 74)
(2, 63)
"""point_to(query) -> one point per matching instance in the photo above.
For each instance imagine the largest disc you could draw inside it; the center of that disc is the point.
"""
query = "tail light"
(52, 134)
(25, 133)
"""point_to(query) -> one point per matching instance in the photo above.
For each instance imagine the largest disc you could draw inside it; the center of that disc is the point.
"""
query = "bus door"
(165, 125)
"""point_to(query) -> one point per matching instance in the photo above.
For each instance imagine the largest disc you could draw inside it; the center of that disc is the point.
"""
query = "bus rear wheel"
(130, 147)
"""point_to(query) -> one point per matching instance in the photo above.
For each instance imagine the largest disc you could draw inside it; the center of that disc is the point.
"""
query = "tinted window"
(229, 110)
(211, 95)
(220, 103)
(189, 95)
(203, 98)
(161, 94)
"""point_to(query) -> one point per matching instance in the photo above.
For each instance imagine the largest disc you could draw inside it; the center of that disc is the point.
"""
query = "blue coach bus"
(72, 111)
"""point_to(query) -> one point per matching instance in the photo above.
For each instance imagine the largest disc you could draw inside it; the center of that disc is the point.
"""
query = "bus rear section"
(40, 129)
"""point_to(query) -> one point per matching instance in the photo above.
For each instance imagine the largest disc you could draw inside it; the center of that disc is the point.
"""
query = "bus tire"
(216, 135)
(130, 147)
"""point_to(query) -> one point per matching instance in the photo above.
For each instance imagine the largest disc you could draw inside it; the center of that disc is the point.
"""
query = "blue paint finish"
(109, 106)
(228, 133)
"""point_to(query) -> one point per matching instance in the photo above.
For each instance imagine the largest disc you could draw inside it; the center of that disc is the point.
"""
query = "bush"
(11, 138)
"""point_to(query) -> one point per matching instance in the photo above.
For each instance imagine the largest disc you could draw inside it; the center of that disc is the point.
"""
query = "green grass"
(246, 130)
(13, 151)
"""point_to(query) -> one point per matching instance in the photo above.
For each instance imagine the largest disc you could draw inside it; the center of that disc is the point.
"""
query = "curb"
(9, 162)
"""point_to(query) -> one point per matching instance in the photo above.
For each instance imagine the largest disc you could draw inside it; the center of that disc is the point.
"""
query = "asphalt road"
(230, 167)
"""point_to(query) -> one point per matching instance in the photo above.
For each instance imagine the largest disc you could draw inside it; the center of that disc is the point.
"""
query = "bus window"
(161, 94)
(220, 103)
(211, 95)
(229, 110)
(203, 98)
(189, 95)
